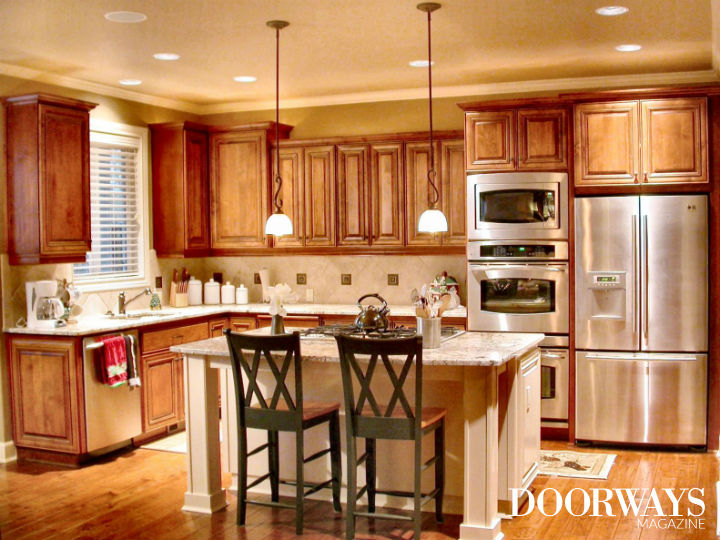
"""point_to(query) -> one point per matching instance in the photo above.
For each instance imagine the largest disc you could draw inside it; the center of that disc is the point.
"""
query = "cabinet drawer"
(163, 339)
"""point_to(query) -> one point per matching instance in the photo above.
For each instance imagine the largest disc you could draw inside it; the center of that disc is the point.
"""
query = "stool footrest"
(430, 496)
(318, 487)
(430, 462)
(362, 459)
(258, 480)
(409, 494)
(361, 492)
(379, 515)
(271, 503)
(258, 449)
(316, 455)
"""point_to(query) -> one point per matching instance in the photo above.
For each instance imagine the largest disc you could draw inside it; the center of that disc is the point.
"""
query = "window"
(118, 209)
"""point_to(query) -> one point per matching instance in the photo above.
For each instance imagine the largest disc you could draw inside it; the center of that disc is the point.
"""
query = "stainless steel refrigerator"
(641, 319)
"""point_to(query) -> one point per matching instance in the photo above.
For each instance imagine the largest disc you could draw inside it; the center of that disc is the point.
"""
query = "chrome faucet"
(122, 304)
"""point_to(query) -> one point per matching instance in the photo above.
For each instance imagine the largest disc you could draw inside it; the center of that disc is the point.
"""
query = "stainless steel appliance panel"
(606, 233)
(674, 273)
(554, 387)
(641, 397)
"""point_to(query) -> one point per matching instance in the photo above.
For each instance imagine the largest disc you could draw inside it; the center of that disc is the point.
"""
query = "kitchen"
(317, 128)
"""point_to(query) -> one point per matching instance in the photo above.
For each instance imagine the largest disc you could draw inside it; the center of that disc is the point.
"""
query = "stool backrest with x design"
(365, 360)
(274, 408)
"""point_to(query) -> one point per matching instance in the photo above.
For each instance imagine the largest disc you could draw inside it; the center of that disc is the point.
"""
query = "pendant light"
(278, 224)
(431, 220)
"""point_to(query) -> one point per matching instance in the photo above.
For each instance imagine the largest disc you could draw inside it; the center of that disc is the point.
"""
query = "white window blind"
(115, 208)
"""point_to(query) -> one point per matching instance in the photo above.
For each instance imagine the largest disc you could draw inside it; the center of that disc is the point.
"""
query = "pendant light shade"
(431, 220)
(278, 224)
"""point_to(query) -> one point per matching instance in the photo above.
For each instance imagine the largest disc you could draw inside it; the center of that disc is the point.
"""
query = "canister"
(212, 292)
(227, 293)
(241, 294)
(194, 292)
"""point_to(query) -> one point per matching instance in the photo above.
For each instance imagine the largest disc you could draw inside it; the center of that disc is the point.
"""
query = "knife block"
(177, 299)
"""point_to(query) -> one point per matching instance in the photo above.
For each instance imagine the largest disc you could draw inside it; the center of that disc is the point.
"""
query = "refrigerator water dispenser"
(607, 298)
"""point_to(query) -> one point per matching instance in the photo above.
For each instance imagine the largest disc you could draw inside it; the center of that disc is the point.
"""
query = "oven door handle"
(530, 271)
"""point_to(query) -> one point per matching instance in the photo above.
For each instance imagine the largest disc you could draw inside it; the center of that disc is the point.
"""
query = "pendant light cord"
(432, 174)
(278, 179)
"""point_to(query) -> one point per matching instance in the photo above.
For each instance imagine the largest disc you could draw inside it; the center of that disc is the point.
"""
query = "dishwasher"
(113, 415)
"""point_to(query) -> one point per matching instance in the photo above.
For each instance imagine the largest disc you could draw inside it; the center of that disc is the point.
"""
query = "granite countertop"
(467, 349)
(102, 324)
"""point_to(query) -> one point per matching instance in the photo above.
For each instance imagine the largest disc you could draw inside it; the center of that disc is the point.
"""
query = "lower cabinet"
(290, 321)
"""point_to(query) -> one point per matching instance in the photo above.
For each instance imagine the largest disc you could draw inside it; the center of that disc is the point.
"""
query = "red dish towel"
(114, 364)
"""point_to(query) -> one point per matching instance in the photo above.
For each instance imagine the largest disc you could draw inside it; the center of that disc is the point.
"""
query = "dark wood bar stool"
(395, 359)
(276, 411)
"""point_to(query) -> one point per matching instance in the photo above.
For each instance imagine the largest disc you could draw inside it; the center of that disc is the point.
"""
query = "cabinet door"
(196, 194)
(530, 412)
(217, 326)
(240, 324)
(290, 321)
(452, 180)
(320, 196)
(542, 139)
(490, 140)
(65, 181)
(674, 140)
(46, 395)
(353, 199)
(162, 390)
(386, 194)
(418, 189)
(607, 143)
(293, 198)
(239, 189)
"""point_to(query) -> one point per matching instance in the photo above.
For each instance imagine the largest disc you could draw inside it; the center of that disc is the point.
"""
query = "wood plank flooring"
(138, 494)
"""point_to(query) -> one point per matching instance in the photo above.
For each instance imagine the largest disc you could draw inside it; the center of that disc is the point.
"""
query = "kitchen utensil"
(372, 317)
(445, 300)
(420, 311)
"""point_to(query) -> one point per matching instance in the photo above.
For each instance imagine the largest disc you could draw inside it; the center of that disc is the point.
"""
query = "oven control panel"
(518, 251)
(514, 250)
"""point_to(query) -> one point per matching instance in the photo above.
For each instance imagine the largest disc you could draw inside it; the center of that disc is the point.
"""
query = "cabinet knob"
(645, 178)
(635, 178)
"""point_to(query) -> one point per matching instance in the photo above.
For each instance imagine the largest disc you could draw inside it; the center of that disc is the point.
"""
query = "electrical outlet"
(301, 279)
(345, 279)
(217, 277)
(158, 282)
(393, 279)
(256, 278)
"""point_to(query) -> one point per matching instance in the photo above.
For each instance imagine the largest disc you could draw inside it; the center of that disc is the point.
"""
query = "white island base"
(489, 382)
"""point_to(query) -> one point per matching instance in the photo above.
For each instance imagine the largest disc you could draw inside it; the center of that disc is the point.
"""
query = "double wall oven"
(518, 275)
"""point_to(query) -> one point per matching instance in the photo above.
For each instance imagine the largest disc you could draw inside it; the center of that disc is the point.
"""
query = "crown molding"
(495, 89)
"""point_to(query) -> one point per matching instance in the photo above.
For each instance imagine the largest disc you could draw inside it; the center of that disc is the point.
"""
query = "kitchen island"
(493, 430)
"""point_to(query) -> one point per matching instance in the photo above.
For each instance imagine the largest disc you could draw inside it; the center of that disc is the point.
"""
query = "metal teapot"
(372, 317)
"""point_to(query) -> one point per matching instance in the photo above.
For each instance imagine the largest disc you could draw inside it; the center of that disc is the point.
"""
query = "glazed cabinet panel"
(542, 139)
(48, 179)
(181, 191)
(675, 140)
(353, 195)
(238, 181)
(454, 192)
(387, 198)
(46, 394)
(490, 140)
(162, 395)
(418, 189)
(319, 194)
(292, 170)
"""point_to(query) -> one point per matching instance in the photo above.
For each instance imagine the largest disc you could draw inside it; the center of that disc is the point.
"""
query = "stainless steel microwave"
(517, 206)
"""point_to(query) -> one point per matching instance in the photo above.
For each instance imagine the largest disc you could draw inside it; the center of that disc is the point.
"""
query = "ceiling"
(342, 51)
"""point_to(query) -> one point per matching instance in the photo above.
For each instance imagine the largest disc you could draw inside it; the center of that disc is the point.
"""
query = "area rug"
(575, 464)
(177, 442)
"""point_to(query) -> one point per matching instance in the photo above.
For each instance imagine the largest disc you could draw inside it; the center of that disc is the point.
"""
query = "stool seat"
(429, 415)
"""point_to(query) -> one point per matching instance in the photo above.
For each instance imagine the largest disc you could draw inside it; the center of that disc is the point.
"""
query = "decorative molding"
(8, 453)
(509, 88)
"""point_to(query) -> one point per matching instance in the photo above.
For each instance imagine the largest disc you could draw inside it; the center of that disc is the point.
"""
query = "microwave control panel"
(518, 251)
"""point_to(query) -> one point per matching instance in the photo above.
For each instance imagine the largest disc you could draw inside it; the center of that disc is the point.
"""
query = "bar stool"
(274, 414)
(397, 420)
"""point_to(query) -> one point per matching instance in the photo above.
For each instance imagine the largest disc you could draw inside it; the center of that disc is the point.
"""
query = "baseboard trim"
(8, 453)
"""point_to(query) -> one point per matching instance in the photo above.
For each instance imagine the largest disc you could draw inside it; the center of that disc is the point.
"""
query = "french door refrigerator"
(641, 319)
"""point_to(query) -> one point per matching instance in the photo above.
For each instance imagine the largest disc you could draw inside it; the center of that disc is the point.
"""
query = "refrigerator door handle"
(645, 277)
(635, 314)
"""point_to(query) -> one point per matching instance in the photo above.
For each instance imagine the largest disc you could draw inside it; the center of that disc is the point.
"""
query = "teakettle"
(44, 308)
(372, 317)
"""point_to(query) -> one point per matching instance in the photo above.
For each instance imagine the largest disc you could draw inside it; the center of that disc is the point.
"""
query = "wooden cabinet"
(216, 326)
(353, 195)
(292, 194)
(387, 196)
(450, 181)
(319, 192)
(181, 191)
(163, 401)
(239, 190)
(638, 142)
(522, 139)
(47, 399)
(48, 179)
(240, 324)
(290, 321)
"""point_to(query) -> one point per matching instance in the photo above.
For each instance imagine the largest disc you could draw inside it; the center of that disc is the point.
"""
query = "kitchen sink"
(137, 315)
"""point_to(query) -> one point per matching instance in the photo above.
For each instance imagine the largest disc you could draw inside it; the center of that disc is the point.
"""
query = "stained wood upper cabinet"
(648, 141)
(454, 192)
(181, 190)
(292, 194)
(353, 195)
(508, 140)
(387, 199)
(319, 193)
(48, 179)
(239, 190)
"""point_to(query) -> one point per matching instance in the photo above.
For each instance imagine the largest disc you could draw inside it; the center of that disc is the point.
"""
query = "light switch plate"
(256, 278)
(345, 279)
(301, 279)
(393, 279)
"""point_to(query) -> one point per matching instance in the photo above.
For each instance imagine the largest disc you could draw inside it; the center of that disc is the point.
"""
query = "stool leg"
(335, 459)
(417, 516)
(274, 465)
(242, 477)
(440, 470)
(351, 486)
(300, 486)
(370, 473)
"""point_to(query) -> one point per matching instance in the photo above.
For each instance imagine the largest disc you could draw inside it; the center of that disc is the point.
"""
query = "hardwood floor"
(138, 494)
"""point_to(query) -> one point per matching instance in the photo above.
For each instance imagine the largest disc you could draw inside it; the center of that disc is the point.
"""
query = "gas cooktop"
(331, 330)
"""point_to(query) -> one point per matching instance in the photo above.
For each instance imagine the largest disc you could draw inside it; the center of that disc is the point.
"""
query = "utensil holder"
(177, 299)
(429, 329)
(276, 326)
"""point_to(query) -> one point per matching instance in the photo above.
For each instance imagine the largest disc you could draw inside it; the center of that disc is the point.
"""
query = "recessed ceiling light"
(166, 56)
(611, 11)
(628, 47)
(125, 16)
(130, 82)
(420, 63)
(245, 78)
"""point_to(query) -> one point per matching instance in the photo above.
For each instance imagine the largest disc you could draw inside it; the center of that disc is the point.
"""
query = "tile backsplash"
(369, 274)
